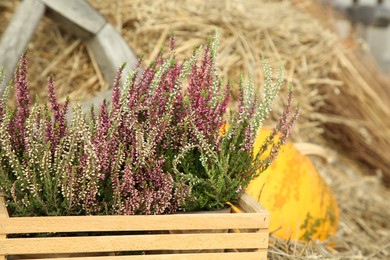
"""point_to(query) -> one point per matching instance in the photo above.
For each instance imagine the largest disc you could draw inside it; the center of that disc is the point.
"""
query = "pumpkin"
(300, 203)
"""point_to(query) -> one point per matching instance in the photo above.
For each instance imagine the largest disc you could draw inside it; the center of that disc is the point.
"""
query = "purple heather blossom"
(208, 112)
(16, 127)
(22, 96)
(147, 191)
(100, 141)
(116, 91)
(2, 111)
(57, 131)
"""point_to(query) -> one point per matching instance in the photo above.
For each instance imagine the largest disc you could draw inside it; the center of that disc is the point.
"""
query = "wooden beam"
(111, 51)
(17, 36)
(250, 205)
(76, 16)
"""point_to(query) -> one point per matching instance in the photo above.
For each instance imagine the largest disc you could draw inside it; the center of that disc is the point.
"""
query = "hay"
(53, 52)
(69, 62)
(364, 128)
(326, 77)
(248, 30)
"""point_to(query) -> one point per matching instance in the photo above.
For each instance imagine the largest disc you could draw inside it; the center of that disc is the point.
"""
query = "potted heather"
(165, 142)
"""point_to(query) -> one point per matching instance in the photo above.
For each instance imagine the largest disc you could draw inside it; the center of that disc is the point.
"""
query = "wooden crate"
(247, 237)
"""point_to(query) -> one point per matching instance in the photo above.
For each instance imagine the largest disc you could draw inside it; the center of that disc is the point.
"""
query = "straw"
(344, 116)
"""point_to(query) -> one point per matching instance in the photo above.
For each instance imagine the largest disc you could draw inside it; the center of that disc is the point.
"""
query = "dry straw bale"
(357, 113)
(325, 78)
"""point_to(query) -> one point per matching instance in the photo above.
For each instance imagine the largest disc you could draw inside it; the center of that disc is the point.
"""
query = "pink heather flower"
(116, 92)
(23, 102)
(208, 113)
(100, 140)
(2, 111)
(147, 191)
(56, 132)
(286, 126)
(286, 113)
(49, 133)
(104, 122)
(22, 95)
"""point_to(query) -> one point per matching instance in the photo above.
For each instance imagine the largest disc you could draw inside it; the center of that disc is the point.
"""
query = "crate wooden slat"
(260, 255)
(135, 223)
(89, 244)
(252, 235)
(3, 216)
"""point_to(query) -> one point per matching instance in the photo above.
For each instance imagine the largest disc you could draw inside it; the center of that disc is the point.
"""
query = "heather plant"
(219, 165)
(47, 167)
(164, 143)
(106, 165)
(134, 139)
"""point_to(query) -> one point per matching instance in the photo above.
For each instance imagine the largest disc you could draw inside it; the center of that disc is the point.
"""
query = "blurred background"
(335, 54)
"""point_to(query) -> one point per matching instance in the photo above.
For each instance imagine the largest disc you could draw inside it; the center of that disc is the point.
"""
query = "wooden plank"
(12, 246)
(135, 223)
(17, 35)
(111, 51)
(262, 255)
(3, 215)
(3, 210)
(77, 16)
(250, 205)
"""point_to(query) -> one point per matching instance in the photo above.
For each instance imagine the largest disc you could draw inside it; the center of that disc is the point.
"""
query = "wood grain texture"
(250, 205)
(134, 223)
(77, 16)
(247, 204)
(111, 52)
(17, 35)
(3, 211)
(131, 243)
(250, 242)
(3, 215)
(262, 255)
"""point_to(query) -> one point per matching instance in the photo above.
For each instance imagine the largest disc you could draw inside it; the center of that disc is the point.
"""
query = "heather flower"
(131, 138)
(208, 100)
(156, 148)
(22, 95)
(147, 191)
(16, 126)
(219, 167)
(2, 101)
(55, 130)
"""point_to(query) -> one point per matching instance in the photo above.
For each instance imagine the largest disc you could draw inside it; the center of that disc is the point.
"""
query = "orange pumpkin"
(301, 205)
